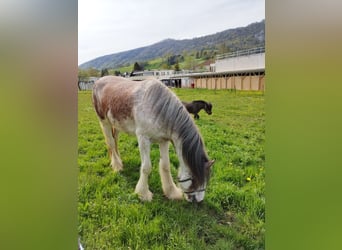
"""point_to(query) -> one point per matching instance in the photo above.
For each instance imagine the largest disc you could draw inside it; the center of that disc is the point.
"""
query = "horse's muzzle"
(192, 198)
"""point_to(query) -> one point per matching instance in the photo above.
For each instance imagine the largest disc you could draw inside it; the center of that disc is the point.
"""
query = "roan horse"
(196, 106)
(149, 110)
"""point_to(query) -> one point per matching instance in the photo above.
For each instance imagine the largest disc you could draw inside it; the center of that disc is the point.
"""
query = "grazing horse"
(151, 112)
(196, 106)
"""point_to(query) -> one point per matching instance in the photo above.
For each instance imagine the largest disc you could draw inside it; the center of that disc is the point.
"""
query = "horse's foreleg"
(111, 137)
(142, 186)
(170, 189)
(196, 116)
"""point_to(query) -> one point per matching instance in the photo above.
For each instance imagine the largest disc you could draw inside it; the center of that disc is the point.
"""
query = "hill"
(250, 36)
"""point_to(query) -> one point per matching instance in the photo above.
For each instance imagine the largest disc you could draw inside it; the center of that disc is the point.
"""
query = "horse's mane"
(201, 101)
(171, 114)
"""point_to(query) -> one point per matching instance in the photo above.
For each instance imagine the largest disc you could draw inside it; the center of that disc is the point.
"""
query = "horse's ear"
(209, 164)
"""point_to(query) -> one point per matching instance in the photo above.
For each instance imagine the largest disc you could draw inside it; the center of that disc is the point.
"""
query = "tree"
(93, 72)
(177, 67)
(104, 72)
(190, 62)
(164, 66)
(166, 60)
(173, 59)
(82, 75)
(223, 48)
(137, 67)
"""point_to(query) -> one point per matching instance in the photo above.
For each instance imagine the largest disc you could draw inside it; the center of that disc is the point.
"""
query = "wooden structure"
(237, 80)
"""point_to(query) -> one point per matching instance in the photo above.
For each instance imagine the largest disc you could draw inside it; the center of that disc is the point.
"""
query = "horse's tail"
(96, 98)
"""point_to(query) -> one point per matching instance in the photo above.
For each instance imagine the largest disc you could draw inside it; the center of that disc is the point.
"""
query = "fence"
(85, 85)
(241, 53)
(254, 81)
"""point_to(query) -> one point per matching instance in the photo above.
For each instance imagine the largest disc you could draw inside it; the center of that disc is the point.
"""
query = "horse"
(154, 114)
(196, 106)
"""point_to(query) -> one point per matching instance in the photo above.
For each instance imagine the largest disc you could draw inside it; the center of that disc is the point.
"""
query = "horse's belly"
(127, 126)
(155, 135)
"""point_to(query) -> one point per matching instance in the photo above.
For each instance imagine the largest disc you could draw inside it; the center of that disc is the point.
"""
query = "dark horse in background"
(195, 106)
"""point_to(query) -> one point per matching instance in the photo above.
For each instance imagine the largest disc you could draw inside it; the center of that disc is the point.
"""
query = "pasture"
(232, 215)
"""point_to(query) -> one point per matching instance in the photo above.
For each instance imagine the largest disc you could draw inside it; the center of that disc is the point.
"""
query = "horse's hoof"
(176, 194)
(145, 196)
(117, 167)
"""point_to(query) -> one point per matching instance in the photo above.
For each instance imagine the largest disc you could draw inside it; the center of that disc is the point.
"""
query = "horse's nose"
(192, 198)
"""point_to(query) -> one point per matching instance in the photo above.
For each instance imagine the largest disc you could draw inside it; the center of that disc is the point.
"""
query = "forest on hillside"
(189, 54)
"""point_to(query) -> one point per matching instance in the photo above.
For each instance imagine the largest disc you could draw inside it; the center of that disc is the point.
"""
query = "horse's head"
(208, 108)
(193, 189)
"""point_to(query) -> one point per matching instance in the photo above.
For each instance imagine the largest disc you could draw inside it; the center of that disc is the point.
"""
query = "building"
(240, 70)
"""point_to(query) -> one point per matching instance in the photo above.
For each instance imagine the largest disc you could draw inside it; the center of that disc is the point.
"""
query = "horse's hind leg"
(111, 136)
(142, 188)
(170, 189)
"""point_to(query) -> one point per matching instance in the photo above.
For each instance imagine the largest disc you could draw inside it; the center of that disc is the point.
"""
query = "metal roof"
(213, 74)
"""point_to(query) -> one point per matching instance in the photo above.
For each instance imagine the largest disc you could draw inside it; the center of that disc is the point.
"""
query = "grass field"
(232, 215)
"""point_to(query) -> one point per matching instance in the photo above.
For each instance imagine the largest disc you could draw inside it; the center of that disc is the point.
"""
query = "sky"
(110, 26)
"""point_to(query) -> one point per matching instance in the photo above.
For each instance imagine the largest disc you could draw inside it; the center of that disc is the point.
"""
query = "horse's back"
(112, 82)
(114, 95)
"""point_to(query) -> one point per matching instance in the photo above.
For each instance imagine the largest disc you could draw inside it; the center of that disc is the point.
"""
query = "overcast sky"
(111, 26)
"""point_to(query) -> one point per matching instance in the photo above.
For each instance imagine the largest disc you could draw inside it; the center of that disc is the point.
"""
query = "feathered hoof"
(117, 167)
(146, 196)
(175, 194)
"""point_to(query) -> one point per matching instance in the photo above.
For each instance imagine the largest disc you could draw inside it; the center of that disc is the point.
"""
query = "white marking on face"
(200, 196)
(185, 185)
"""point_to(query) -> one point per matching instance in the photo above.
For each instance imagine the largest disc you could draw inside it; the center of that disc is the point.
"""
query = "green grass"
(232, 215)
